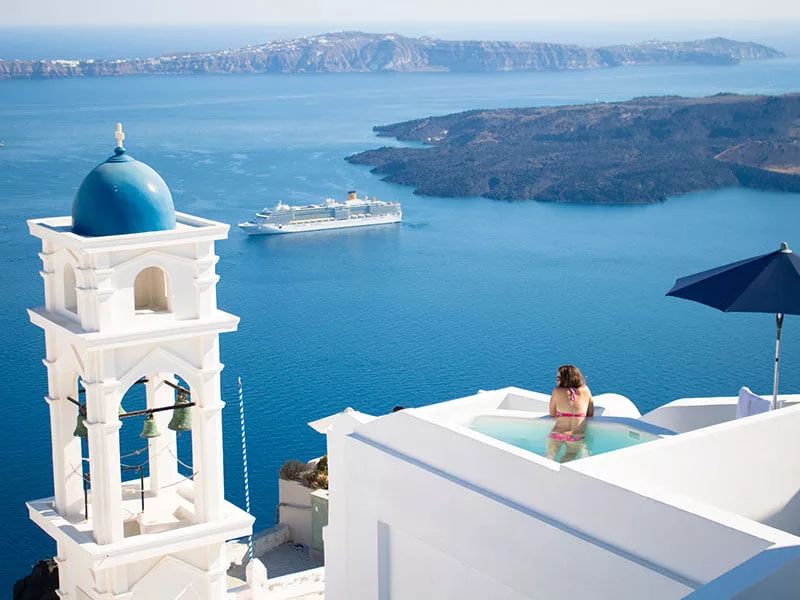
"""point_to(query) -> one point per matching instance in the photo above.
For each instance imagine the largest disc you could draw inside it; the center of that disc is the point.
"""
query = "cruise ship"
(353, 212)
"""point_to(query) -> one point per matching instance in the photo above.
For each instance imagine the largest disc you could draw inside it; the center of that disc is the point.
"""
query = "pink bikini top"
(571, 401)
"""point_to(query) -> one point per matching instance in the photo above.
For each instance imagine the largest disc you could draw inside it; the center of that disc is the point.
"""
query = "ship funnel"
(352, 195)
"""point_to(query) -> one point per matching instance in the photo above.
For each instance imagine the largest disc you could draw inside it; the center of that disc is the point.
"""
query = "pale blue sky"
(354, 12)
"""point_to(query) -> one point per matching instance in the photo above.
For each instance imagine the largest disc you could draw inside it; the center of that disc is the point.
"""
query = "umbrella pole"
(779, 324)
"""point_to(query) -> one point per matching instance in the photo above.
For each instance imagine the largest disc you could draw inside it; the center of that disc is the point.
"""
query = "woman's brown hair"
(569, 376)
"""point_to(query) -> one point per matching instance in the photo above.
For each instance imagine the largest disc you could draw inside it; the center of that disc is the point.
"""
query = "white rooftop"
(712, 511)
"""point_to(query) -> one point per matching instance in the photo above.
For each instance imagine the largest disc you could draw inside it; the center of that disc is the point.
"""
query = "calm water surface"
(466, 294)
(600, 436)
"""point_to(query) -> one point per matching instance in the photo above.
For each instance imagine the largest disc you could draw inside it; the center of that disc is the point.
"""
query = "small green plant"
(292, 470)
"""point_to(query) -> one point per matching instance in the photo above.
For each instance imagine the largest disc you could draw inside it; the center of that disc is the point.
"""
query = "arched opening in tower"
(70, 289)
(151, 291)
(156, 454)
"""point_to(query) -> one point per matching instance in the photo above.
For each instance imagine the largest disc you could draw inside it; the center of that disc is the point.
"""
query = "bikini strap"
(572, 395)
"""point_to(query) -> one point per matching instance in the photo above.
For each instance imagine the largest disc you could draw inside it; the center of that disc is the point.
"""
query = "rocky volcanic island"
(634, 152)
(630, 152)
(354, 51)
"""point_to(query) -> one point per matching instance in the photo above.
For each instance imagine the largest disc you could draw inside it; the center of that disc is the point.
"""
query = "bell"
(150, 429)
(121, 410)
(181, 415)
(80, 426)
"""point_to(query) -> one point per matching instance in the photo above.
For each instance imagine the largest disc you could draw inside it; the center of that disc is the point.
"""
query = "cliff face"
(41, 584)
(366, 52)
(632, 152)
(766, 164)
(714, 51)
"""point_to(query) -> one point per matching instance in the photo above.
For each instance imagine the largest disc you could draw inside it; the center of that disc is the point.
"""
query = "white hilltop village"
(697, 499)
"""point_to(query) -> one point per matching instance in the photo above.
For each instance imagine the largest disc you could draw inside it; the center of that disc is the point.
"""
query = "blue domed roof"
(122, 195)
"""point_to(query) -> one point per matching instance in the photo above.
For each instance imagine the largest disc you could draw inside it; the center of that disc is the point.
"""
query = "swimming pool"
(602, 435)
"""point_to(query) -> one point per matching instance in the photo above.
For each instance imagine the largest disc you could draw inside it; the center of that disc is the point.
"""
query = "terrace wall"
(749, 466)
(688, 414)
(441, 512)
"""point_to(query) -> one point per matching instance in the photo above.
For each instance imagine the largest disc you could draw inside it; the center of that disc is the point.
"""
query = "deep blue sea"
(465, 294)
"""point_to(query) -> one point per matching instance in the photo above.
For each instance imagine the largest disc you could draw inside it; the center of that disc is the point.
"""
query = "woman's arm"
(553, 403)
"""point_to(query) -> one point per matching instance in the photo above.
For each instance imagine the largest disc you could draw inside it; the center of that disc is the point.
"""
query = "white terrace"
(422, 506)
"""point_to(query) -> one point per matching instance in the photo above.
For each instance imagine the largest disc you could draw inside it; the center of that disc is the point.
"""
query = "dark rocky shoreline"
(41, 584)
(634, 152)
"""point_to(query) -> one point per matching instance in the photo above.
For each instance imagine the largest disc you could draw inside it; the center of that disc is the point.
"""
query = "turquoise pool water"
(531, 434)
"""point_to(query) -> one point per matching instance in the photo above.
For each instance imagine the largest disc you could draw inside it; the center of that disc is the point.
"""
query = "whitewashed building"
(442, 502)
(130, 298)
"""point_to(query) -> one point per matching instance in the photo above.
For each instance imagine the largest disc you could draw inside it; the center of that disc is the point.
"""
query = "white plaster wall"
(533, 402)
(689, 414)
(513, 517)
(172, 579)
(294, 510)
(773, 574)
(58, 262)
(748, 466)
(463, 410)
(615, 405)
(449, 533)
(269, 539)
(647, 527)
(410, 568)
(182, 357)
(105, 283)
(335, 535)
(181, 274)
(158, 577)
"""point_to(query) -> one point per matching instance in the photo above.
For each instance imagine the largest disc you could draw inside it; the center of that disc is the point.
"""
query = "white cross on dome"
(119, 135)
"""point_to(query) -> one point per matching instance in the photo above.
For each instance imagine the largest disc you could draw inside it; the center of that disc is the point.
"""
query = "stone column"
(66, 449)
(162, 450)
(95, 294)
(217, 571)
(48, 274)
(205, 280)
(209, 485)
(66, 574)
(102, 402)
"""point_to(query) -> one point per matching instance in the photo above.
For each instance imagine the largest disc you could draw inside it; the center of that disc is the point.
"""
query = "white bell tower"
(130, 299)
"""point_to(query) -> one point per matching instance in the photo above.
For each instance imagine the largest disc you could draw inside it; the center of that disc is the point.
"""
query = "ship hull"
(253, 229)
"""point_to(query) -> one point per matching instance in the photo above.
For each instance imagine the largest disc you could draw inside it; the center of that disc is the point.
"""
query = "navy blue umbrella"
(769, 283)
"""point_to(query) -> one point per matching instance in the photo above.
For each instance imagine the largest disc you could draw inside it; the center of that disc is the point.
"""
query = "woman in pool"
(570, 404)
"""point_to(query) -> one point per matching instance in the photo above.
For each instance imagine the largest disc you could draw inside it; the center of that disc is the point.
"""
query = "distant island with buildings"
(359, 52)
(635, 152)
